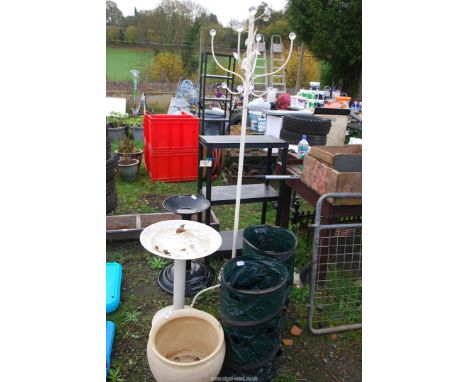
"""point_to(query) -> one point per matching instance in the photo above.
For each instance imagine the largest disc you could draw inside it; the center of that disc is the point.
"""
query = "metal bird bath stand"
(180, 240)
(198, 275)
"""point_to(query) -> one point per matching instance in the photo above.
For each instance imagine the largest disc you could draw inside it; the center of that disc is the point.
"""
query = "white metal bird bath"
(180, 240)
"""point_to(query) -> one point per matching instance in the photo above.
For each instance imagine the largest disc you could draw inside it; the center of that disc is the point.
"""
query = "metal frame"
(319, 280)
(261, 67)
(226, 101)
(277, 54)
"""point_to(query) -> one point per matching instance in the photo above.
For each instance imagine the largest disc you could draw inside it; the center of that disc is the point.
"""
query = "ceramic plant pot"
(137, 132)
(129, 171)
(185, 345)
(136, 155)
(115, 134)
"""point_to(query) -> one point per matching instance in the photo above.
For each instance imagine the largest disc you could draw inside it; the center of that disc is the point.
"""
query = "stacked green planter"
(253, 295)
(273, 242)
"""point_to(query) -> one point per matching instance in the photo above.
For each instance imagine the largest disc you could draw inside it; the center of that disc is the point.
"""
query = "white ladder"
(278, 80)
(261, 66)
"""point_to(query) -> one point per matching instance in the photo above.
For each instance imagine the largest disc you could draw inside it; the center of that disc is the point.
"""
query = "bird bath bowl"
(180, 240)
(198, 275)
(186, 205)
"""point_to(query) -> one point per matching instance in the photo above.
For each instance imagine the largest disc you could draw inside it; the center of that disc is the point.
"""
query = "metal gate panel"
(336, 277)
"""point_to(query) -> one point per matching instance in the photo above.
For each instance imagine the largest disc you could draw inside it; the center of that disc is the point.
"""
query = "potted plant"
(115, 123)
(127, 148)
(128, 168)
(135, 124)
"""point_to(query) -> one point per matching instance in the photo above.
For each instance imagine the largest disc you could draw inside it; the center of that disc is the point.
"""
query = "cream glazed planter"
(185, 345)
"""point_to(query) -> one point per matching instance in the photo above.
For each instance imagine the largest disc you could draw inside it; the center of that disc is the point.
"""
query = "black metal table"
(250, 193)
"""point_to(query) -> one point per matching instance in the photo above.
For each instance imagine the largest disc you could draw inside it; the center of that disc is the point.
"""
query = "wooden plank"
(346, 158)
(129, 227)
(293, 159)
(119, 222)
(330, 212)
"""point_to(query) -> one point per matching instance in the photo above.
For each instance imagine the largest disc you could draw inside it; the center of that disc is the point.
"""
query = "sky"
(224, 10)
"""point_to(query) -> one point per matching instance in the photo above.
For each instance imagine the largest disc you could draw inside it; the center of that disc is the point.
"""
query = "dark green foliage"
(189, 56)
(300, 295)
(332, 30)
(277, 24)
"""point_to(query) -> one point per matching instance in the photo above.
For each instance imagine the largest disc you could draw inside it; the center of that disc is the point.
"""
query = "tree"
(150, 35)
(114, 15)
(310, 69)
(189, 57)
(131, 34)
(331, 29)
(167, 68)
(278, 27)
(170, 20)
(112, 33)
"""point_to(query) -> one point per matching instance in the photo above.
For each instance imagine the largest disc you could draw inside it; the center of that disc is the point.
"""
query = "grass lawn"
(310, 358)
(119, 62)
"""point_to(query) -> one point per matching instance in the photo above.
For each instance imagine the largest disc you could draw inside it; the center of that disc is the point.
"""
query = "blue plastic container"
(110, 330)
(113, 281)
(253, 116)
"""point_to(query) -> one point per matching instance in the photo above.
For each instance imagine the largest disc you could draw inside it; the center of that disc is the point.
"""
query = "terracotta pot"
(185, 345)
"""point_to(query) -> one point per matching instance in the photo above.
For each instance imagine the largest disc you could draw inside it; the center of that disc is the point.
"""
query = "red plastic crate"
(145, 158)
(163, 131)
(172, 165)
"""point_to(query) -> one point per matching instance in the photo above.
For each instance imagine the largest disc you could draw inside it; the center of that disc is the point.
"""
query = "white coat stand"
(247, 65)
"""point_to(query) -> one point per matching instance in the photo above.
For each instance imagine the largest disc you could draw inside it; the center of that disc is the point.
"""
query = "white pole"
(179, 284)
(240, 170)
(248, 67)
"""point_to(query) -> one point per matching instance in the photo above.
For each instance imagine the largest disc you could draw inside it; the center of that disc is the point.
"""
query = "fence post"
(200, 51)
(147, 70)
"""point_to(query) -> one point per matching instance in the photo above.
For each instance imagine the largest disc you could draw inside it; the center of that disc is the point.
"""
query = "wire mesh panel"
(336, 277)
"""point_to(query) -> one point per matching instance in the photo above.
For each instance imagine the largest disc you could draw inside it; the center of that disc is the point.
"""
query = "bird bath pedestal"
(198, 275)
(181, 241)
